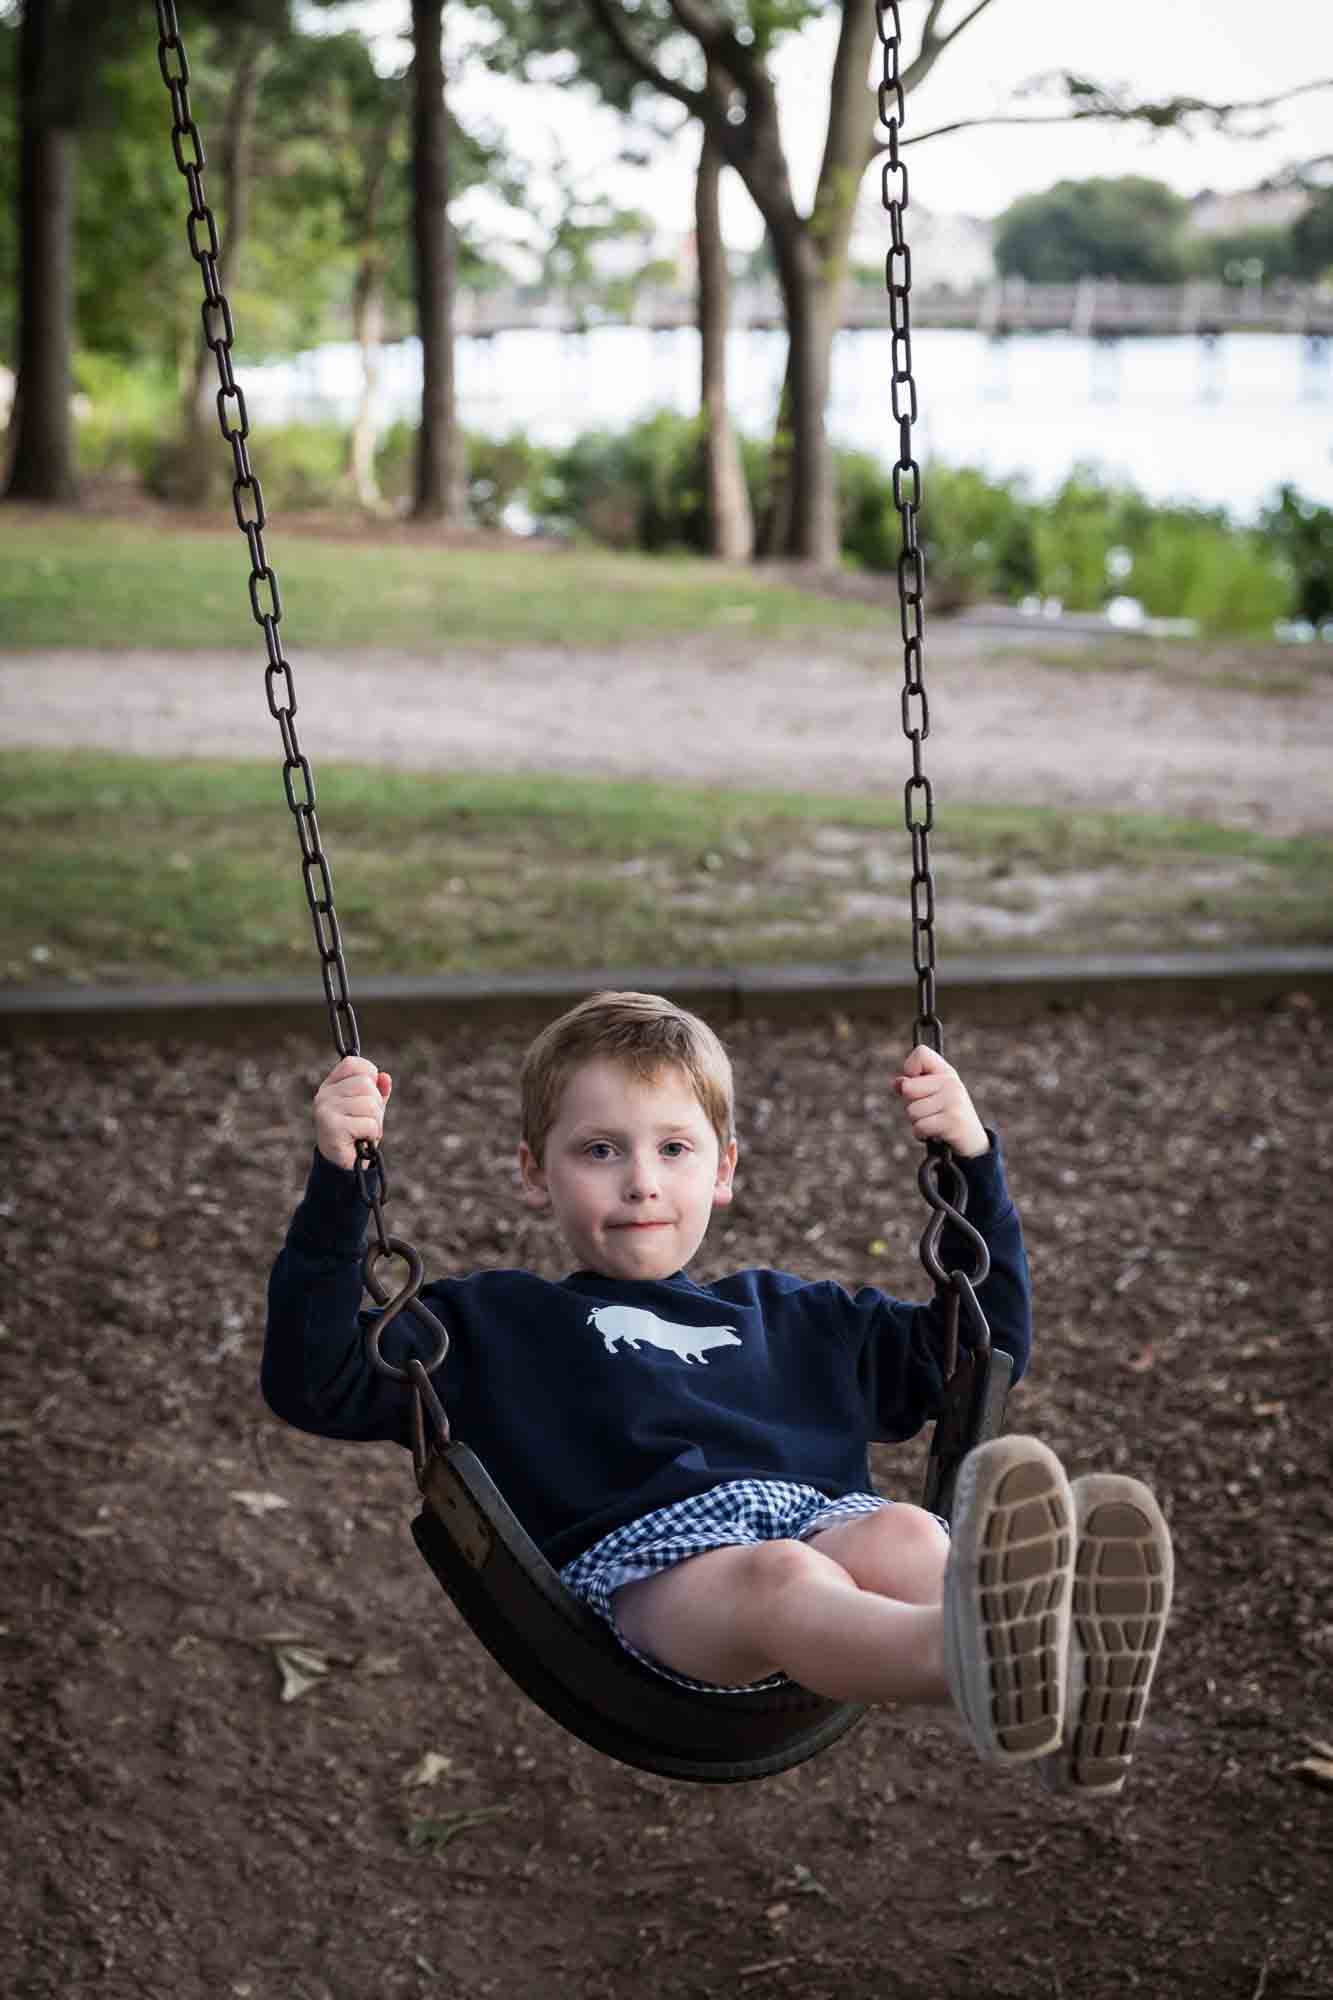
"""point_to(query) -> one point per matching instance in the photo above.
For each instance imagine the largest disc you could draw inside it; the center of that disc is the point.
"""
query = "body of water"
(1220, 423)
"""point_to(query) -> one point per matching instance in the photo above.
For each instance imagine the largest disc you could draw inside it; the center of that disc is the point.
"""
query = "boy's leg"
(739, 1614)
(899, 1551)
(1123, 1575)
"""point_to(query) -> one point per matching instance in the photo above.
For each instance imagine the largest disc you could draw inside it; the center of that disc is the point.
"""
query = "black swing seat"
(567, 1660)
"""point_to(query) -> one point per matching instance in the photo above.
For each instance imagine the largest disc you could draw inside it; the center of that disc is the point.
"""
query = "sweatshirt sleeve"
(904, 1359)
(315, 1372)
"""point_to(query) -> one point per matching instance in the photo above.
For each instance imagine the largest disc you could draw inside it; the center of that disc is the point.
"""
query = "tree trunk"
(811, 251)
(801, 521)
(42, 465)
(201, 465)
(368, 322)
(439, 469)
(730, 519)
(368, 307)
(802, 515)
(811, 256)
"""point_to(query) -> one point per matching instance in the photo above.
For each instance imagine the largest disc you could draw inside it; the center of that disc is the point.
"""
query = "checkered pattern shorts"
(745, 1511)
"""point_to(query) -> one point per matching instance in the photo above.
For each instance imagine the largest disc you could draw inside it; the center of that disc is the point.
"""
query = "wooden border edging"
(971, 989)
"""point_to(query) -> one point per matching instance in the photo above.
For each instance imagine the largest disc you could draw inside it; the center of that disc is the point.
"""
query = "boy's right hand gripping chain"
(374, 1187)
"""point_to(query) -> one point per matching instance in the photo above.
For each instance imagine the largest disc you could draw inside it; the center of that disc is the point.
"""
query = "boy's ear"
(535, 1191)
(726, 1173)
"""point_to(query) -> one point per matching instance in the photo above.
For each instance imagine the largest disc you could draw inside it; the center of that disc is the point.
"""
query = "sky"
(1206, 48)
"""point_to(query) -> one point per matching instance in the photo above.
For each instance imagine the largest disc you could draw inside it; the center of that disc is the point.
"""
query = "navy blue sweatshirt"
(594, 1400)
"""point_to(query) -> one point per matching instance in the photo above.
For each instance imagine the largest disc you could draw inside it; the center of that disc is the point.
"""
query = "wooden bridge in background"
(1095, 308)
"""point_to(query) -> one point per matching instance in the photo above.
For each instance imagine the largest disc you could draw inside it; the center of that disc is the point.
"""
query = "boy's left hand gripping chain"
(372, 1181)
(956, 1288)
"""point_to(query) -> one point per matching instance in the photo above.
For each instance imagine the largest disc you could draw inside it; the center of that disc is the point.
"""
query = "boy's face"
(632, 1172)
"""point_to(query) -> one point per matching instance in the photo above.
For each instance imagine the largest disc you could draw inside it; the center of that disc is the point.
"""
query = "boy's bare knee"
(917, 1528)
(771, 1568)
(899, 1551)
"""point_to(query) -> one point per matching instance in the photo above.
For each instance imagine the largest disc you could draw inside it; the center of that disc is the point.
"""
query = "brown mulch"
(173, 1827)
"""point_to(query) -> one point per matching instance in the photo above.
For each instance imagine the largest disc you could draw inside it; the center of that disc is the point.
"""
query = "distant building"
(953, 253)
(625, 256)
(1252, 208)
(950, 253)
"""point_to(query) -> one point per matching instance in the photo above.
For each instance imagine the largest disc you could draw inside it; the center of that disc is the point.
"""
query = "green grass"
(67, 580)
(127, 868)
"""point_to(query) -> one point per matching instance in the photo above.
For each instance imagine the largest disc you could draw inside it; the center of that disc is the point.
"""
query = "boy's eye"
(600, 1149)
(673, 1148)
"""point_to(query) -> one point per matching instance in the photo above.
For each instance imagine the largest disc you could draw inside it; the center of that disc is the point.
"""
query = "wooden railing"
(1094, 308)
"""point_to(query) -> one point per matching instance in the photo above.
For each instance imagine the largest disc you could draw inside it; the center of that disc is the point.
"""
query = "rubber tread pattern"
(1122, 1595)
(1007, 1598)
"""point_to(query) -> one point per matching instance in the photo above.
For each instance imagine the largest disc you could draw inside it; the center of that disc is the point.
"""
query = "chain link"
(265, 596)
(918, 795)
(955, 1287)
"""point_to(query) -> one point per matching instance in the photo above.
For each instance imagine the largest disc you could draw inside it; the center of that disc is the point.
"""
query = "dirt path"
(735, 711)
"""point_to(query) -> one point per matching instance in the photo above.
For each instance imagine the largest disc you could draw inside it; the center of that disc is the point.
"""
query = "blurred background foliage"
(315, 219)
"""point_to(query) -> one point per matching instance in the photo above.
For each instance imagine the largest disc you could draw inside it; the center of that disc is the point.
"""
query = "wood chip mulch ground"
(176, 1561)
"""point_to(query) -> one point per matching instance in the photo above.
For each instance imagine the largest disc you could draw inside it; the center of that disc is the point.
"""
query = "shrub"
(644, 489)
(1237, 587)
(868, 530)
(978, 535)
(301, 466)
(393, 461)
(1073, 535)
(641, 489)
(500, 471)
(1301, 535)
(497, 470)
(123, 415)
(1220, 576)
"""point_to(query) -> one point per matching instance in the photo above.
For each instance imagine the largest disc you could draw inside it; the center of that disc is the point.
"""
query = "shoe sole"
(1123, 1576)
(1007, 1598)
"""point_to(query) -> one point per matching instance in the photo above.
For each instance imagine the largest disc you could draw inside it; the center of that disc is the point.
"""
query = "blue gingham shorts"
(744, 1511)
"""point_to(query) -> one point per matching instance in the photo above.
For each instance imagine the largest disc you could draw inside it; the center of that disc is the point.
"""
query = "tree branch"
(966, 22)
(932, 46)
(721, 47)
(612, 19)
(1171, 114)
(718, 42)
(708, 30)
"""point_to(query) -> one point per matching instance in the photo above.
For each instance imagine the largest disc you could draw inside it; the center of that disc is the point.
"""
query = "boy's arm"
(315, 1373)
(939, 1106)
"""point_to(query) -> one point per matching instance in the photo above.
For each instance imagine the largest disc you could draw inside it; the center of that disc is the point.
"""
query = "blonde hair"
(642, 1031)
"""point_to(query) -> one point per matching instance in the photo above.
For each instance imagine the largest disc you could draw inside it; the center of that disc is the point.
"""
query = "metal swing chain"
(918, 794)
(266, 605)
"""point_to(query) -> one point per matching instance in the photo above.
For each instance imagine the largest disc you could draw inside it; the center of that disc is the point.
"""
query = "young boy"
(693, 1458)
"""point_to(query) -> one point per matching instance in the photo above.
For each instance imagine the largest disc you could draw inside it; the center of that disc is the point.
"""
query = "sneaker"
(1123, 1574)
(1007, 1590)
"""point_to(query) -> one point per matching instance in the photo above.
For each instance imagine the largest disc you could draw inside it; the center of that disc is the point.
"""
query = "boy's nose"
(641, 1180)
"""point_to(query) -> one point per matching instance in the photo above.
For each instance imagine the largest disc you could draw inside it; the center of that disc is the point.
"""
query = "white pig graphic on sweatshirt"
(634, 1325)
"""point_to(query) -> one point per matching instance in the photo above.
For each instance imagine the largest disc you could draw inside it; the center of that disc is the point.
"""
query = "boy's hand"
(938, 1104)
(349, 1105)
